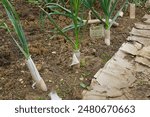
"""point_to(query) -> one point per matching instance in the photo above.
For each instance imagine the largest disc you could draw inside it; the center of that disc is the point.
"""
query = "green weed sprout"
(22, 43)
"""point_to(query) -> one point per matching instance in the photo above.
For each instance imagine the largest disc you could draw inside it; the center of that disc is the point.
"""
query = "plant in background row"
(138, 2)
(109, 8)
(72, 13)
(22, 43)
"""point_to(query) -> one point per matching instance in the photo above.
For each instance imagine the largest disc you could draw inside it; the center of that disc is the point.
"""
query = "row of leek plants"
(108, 7)
(21, 43)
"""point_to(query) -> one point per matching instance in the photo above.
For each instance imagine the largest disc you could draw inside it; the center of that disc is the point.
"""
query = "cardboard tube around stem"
(77, 53)
(147, 3)
(97, 31)
(76, 60)
(35, 74)
(107, 37)
(132, 11)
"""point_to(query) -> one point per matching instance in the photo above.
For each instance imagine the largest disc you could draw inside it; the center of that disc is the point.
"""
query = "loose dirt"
(53, 57)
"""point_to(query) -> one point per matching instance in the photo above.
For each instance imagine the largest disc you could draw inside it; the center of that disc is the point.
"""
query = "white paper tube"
(107, 37)
(132, 11)
(147, 4)
(121, 14)
(54, 96)
(75, 58)
(35, 74)
(97, 31)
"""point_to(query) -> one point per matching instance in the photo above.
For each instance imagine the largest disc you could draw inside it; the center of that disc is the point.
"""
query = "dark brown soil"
(53, 56)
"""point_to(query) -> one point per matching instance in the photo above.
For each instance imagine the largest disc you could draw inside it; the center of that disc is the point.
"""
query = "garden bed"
(53, 57)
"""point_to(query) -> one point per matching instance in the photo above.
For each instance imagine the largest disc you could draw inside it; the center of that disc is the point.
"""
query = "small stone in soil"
(93, 50)
(2, 78)
(61, 80)
(54, 52)
(1, 88)
(49, 44)
(50, 81)
(22, 71)
(38, 66)
(46, 70)
(20, 80)
(81, 78)
(22, 64)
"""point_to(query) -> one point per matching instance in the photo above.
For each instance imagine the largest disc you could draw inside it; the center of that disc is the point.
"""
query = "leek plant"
(72, 13)
(22, 43)
(108, 7)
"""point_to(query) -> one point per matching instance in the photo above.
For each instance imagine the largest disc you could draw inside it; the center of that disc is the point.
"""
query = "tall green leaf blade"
(117, 14)
(113, 6)
(57, 27)
(17, 25)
